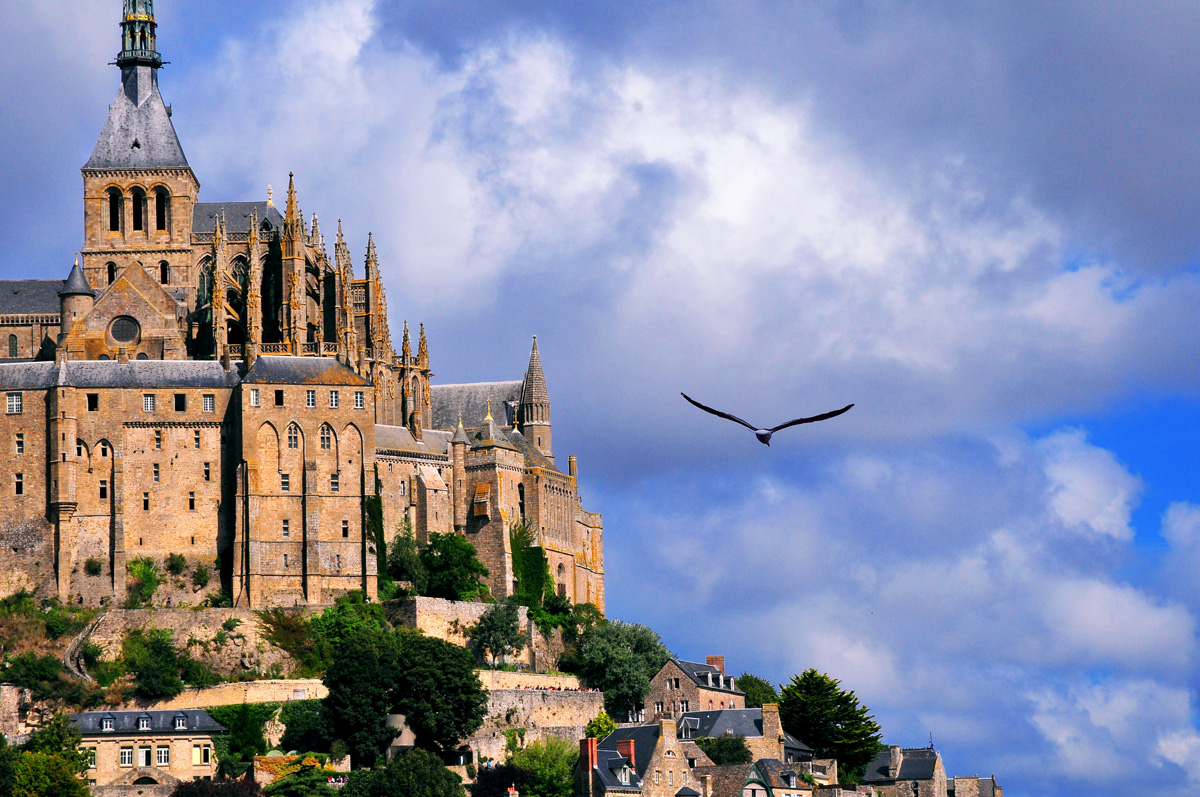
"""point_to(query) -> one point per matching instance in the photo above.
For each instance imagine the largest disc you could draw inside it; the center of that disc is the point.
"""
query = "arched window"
(142, 356)
(103, 358)
(293, 434)
(112, 273)
(12, 345)
(139, 210)
(161, 202)
(206, 284)
(114, 210)
(521, 499)
(164, 273)
(326, 438)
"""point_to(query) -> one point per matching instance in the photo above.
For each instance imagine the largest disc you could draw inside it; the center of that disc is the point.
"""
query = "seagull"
(764, 435)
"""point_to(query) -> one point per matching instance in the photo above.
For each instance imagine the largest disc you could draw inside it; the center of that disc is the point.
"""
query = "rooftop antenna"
(931, 740)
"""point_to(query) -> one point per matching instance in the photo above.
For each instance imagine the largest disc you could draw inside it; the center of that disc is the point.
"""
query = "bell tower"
(138, 189)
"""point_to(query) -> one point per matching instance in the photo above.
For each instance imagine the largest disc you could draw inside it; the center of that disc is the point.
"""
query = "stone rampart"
(449, 620)
(530, 715)
(280, 691)
(498, 679)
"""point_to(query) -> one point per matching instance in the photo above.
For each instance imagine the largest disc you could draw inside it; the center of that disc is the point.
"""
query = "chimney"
(588, 754)
(625, 749)
(573, 466)
(667, 730)
(512, 791)
(894, 758)
(122, 355)
(226, 362)
(772, 727)
(716, 661)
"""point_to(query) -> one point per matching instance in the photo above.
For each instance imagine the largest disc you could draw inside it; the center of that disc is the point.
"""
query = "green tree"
(816, 710)
(601, 726)
(550, 767)
(59, 737)
(305, 727)
(404, 560)
(308, 781)
(498, 632)
(620, 659)
(360, 682)
(46, 775)
(758, 691)
(417, 773)
(151, 657)
(494, 781)
(455, 572)
(726, 750)
(437, 689)
(349, 614)
(245, 721)
(8, 765)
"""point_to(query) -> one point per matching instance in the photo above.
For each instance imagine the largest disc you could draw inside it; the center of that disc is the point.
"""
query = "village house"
(648, 760)
(683, 686)
(135, 748)
(907, 772)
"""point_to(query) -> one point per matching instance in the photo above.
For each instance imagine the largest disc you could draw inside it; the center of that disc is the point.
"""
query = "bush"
(231, 624)
(217, 788)
(93, 566)
(200, 576)
(600, 727)
(151, 657)
(404, 562)
(90, 653)
(726, 750)
(144, 580)
(305, 728)
(176, 564)
(292, 633)
(236, 749)
(455, 572)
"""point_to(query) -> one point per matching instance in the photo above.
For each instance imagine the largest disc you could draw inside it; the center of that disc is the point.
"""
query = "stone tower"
(138, 189)
(535, 406)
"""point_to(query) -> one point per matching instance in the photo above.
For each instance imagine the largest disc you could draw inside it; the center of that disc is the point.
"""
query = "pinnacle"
(535, 390)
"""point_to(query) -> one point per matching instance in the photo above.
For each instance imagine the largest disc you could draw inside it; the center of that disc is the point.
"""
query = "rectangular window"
(278, 398)
(192, 502)
(104, 450)
(359, 400)
(335, 399)
(156, 473)
(195, 755)
(104, 489)
(126, 756)
(287, 532)
(78, 450)
(207, 758)
(207, 472)
(285, 560)
(145, 502)
(157, 440)
(310, 399)
(148, 403)
(254, 397)
(20, 485)
(144, 756)
(181, 402)
(210, 403)
(15, 404)
(93, 402)
(333, 483)
(345, 529)
(162, 756)
(196, 439)
(20, 442)
(91, 754)
(683, 706)
(285, 482)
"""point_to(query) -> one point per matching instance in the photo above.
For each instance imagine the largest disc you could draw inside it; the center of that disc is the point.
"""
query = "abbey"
(209, 382)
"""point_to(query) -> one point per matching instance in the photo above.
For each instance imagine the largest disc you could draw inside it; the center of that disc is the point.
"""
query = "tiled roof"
(470, 402)
(114, 374)
(699, 674)
(138, 133)
(91, 723)
(30, 297)
(915, 764)
(303, 371)
(237, 216)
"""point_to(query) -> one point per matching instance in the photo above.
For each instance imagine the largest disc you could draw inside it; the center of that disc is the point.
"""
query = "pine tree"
(815, 709)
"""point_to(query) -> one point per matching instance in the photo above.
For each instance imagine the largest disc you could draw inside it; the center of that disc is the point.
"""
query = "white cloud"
(1090, 490)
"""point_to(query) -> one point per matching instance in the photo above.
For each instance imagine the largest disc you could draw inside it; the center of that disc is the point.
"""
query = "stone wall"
(133, 791)
(541, 713)
(498, 679)
(449, 620)
(280, 691)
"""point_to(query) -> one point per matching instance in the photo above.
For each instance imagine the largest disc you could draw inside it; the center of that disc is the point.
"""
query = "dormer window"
(623, 775)
(106, 724)
(143, 723)
(181, 723)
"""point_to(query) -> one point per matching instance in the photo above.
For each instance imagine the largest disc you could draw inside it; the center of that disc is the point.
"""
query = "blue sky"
(978, 223)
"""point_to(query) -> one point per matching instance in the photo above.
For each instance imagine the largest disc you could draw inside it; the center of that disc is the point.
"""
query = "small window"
(12, 345)
(333, 483)
(148, 403)
(161, 200)
(20, 442)
(114, 212)
(310, 399)
(335, 399)
(104, 489)
(112, 276)
(144, 756)
(192, 502)
(210, 403)
(345, 529)
(287, 531)
(285, 560)
(164, 273)
(181, 723)
(145, 502)
(20, 484)
(254, 397)
(143, 723)
(278, 398)
(293, 434)
(158, 440)
(106, 724)
(139, 211)
(359, 400)
(207, 471)
(285, 482)
(326, 438)
(91, 757)
(156, 479)
(104, 450)
(126, 756)
(196, 439)
(339, 561)
(181, 402)
(93, 402)
(162, 756)
(16, 403)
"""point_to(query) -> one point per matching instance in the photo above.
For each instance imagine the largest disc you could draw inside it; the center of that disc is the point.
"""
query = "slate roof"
(138, 133)
(237, 216)
(734, 721)
(987, 786)
(30, 297)
(470, 402)
(699, 672)
(303, 371)
(533, 457)
(727, 781)
(608, 764)
(113, 374)
(90, 723)
(76, 284)
(398, 438)
(775, 773)
(915, 764)
(645, 738)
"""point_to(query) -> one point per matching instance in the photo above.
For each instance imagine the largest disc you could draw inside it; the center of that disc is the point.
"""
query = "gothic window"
(204, 297)
(326, 438)
(293, 436)
(112, 273)
(12, 345)
(161, 201)
(114, 210)
(164, 273)
(139, 210)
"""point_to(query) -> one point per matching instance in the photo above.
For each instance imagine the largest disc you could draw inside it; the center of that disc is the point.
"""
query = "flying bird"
(764, 435)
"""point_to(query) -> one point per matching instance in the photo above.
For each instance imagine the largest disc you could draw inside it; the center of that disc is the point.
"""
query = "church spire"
(139, 38)
(372, 258)
(406, 346)
(535, 405)
(423, 350)
(292, 212)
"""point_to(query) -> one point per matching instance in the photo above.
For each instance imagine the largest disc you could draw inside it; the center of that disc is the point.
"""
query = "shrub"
(200, 576)
(231, 624)
(151, 657)
(601, 726)
(176, 563)
(93, 566)
(143, 582)
(726, 750)
(90, 653)
(236, 749)
(305, 727)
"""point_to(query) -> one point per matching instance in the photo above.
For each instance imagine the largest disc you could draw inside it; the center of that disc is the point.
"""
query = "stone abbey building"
(209, 381)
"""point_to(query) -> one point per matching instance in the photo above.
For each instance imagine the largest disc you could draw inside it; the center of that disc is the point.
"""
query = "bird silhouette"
(764, 435)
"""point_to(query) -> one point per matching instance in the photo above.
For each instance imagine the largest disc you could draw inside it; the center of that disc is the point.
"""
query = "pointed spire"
(423, 349)
(372, 258)
(316, 231)
(406, 345)
(460, 434)
(77, 283)
(270, 196)
(535, 390)
(341, 239)
(292, 211)
(139, 35)
(489, 417)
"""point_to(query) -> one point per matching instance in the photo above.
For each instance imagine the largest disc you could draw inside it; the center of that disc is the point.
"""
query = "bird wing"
(813, 419)
(718, 413)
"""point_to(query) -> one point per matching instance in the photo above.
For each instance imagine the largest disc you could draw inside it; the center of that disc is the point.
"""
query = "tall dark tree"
(726, 750)
(498, 632)
(454, 570)
(815, 709)
(404, 561)
(360, 683)
(417, 773)
(549, 766)
(437, 690)
(620, 659)
(758, 690)
(154, 662)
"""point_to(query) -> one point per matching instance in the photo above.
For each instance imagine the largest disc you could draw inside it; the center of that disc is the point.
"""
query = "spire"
(292, 213)
(372, 258)
(423, 349)
(460, 434)
(489, 417)
(139, 38)
(316, 233)
(76, 284)
(534, 390)
(406, 345)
